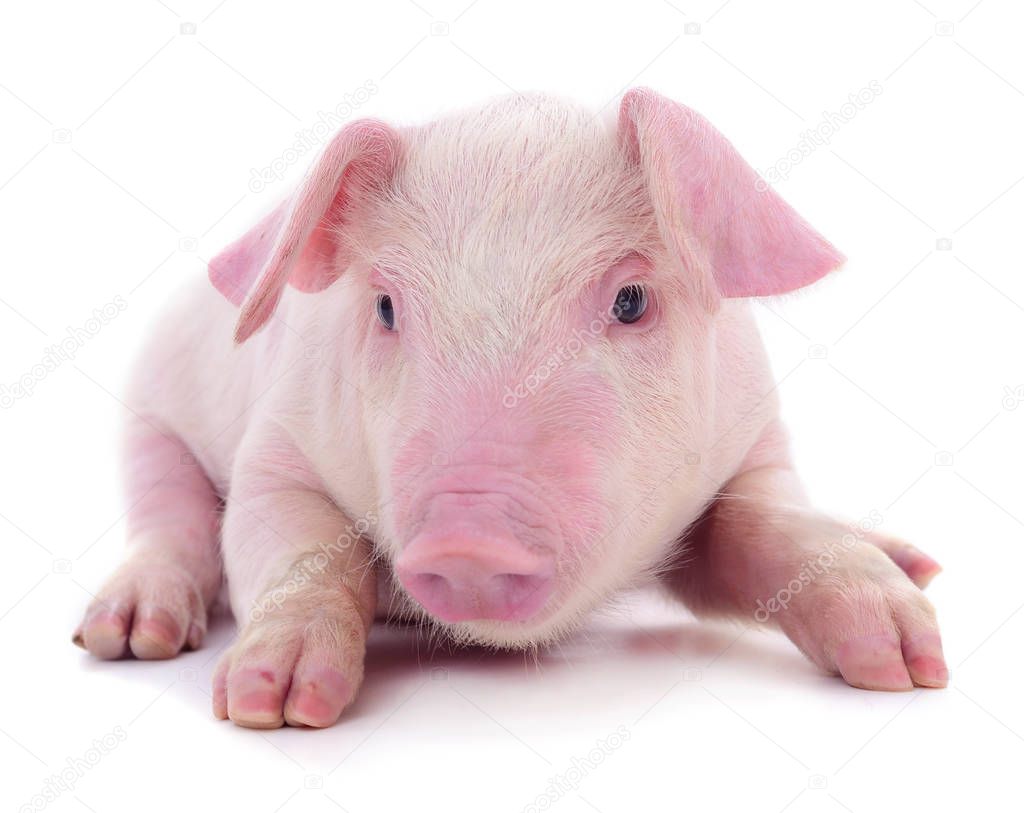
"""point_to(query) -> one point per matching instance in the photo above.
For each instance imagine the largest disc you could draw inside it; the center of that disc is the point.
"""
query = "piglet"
(481, 374)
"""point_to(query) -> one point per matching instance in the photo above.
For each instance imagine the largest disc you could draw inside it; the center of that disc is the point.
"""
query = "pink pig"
(485, 373)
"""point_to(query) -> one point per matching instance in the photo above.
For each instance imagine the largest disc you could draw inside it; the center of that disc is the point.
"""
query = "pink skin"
(863, 618)
(156, 604)
(299, 659)
(483, 536)
(460, 570)
(293, 243)
(774, 251)
(511, 453)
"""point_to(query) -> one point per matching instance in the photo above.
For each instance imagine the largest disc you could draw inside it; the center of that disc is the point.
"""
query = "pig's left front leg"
(851, 602)
(303, 590)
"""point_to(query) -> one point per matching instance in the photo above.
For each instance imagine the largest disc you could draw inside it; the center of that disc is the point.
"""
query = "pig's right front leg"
(303, 591)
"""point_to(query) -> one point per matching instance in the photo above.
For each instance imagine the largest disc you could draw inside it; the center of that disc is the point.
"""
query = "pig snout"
(465, 576)
(471, 560)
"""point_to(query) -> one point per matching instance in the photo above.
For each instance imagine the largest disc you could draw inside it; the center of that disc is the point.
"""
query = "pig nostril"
(518, 587)
(465, 588)
(428, 585)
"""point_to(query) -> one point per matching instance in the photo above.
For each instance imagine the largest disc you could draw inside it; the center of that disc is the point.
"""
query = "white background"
(126, 150)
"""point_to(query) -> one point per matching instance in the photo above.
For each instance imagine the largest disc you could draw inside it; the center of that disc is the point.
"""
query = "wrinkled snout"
(469, 573)
(480, 532)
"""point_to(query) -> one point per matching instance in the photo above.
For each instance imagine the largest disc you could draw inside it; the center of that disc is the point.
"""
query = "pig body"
(514, 372)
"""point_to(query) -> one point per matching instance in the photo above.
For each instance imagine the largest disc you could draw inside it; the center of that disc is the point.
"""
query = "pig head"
(531, 308)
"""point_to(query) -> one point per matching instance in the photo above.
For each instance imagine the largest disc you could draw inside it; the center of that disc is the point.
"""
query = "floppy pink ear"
(724, 221)
(296, 243)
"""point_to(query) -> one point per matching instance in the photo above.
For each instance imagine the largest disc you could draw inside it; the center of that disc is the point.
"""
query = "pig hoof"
(148, 610)
(292, 671)
(874, 628)
(887, 663)
(919, 566)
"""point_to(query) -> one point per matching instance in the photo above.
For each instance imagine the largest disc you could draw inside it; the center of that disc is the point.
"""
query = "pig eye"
(630, 304)
(386, 311)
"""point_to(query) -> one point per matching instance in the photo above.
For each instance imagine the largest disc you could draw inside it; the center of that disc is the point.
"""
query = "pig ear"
(297, 243)
(728, 226)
